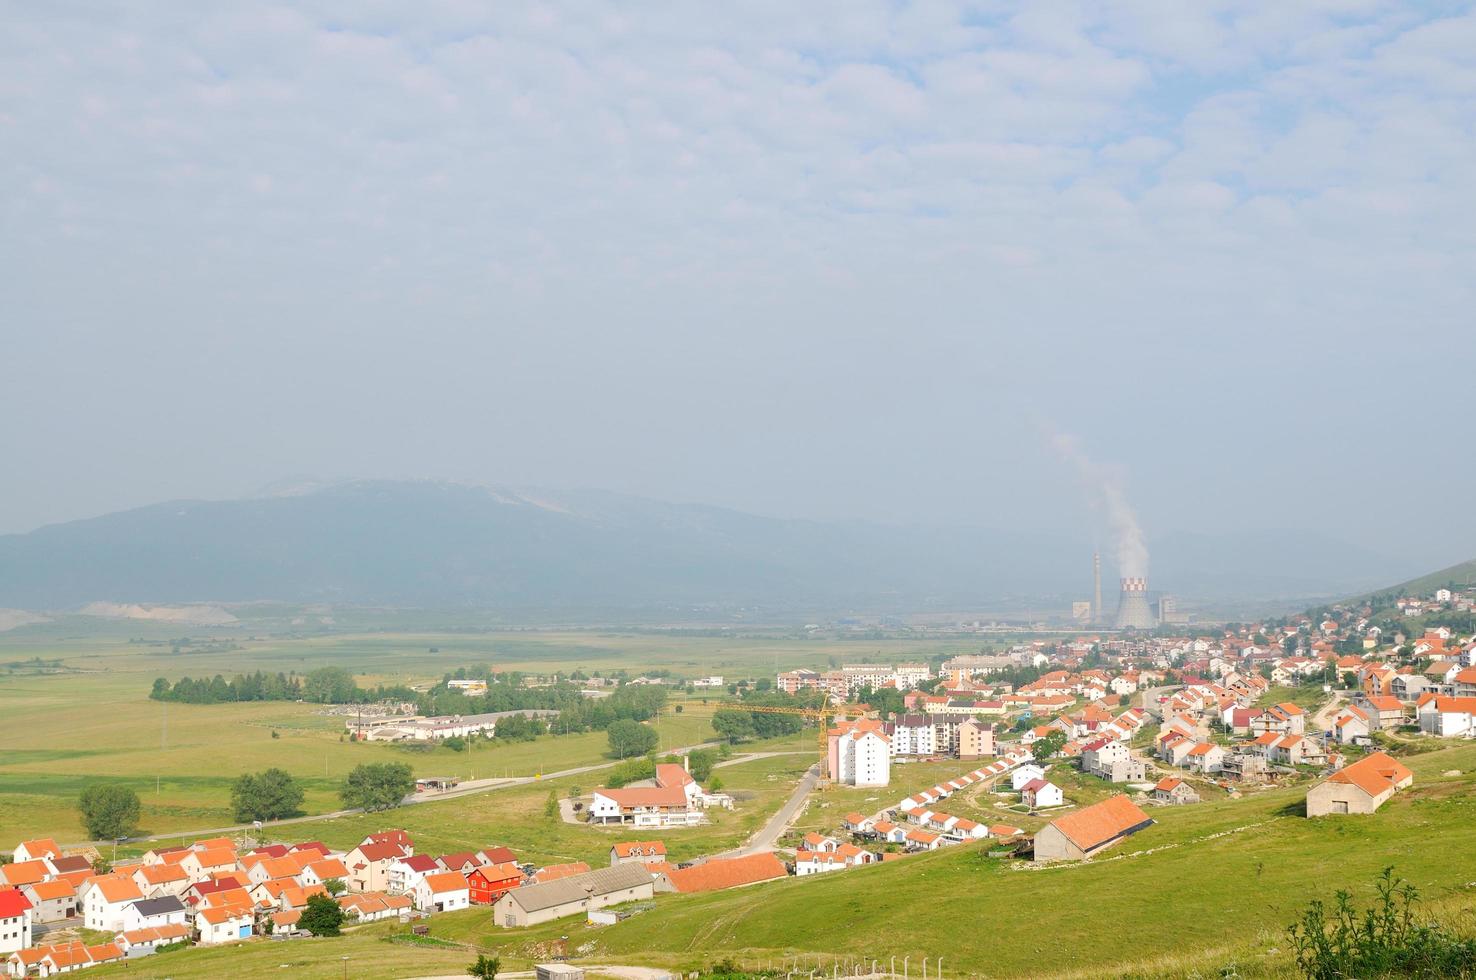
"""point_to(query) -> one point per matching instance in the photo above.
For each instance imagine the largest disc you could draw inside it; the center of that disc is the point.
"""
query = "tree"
(269, 795)
(331, 685)
(377, 786)
(485, 968)
(715, 784)
(629, 738)
(732, 726)
(322, 916)
(109, 812)
(551, 805)
(335, 886)
(1048, 745)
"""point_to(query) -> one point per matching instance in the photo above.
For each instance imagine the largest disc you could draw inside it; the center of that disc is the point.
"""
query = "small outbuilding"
(1359, 788)
(573, 895)
(1090, 830)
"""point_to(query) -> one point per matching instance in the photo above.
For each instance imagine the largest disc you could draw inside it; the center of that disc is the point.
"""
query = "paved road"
(1323, 719)
(770, 833)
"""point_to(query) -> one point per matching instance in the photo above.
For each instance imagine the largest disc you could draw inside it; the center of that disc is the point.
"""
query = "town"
(1042, 754)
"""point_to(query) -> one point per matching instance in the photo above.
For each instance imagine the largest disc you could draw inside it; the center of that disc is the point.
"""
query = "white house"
(35, 850)
(1040, 793)
(222, 925)
(105, 899)
(1447, 717)
(1029, 772)
(445, 891)
(150, 913)
(675, 801)
(15, 921)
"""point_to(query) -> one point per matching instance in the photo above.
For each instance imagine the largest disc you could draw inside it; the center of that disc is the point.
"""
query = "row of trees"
(326, 685)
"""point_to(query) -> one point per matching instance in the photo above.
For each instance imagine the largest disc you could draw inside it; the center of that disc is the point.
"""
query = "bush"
(321, 917)
(1382, 940)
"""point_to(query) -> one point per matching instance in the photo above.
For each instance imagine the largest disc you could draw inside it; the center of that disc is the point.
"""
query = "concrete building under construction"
(1133, 610)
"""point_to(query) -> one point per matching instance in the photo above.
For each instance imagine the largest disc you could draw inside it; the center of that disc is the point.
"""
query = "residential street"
(769, 835)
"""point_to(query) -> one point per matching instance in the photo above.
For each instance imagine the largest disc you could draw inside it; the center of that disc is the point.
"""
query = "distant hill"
(440, 544)
(1463, 574)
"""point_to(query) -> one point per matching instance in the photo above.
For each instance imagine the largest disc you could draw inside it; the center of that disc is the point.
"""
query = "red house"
(492, 881)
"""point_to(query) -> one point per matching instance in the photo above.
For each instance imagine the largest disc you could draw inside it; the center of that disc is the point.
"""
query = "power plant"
(1133, 611)
(1096, 586)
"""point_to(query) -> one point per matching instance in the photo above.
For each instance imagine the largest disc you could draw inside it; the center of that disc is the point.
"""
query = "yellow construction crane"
(822, 717)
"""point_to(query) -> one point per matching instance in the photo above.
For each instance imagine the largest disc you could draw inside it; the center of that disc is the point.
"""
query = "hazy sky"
(817, 259)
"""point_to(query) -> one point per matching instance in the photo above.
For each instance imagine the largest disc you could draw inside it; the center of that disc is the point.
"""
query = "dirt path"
(1323, 719)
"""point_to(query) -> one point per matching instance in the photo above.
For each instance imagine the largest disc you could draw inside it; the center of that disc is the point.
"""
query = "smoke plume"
(1106, 491)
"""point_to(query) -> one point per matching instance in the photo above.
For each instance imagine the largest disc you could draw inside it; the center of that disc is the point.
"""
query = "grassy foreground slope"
(1206, 878)
(1208, 887)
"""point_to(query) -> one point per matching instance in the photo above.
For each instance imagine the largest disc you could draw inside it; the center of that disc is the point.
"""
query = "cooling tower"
(1133, 611)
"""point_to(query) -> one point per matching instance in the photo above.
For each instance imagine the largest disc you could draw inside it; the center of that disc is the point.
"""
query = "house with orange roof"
(51, 901)
(65, 958)
(924, 840)
(890, 832)
(717, 874)
(1383, 710)
(673, 802)
(25, 962)
(138, 942)
(35, 850)
(160, 879)
(1361, 787)
(373, 906)
(1173, 790)
(321, 872)
(226, 924)
(200, 864)
(22, 873)
(266, 868)
(1205, 757)
(1090, 830)
(1448, 717)
(104, 899)
(637, 852)
(554, 872)
(1352, 725)
(445, 891)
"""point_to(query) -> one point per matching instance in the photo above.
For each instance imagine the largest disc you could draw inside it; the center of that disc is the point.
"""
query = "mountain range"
(440, 544)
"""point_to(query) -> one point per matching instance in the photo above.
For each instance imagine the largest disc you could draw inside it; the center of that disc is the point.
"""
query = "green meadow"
(90, 719)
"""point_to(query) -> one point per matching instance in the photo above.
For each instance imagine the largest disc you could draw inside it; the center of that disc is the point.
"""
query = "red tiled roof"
(727, 873)
(1095, 825)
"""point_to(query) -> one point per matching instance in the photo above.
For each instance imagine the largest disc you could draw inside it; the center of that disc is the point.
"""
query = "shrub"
(1382, 940)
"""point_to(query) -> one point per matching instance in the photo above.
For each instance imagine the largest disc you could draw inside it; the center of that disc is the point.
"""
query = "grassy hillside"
(1462, 574)
(1207, 888)
(1209, 876)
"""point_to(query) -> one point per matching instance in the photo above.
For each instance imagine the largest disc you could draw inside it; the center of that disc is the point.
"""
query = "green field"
(93, 720)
